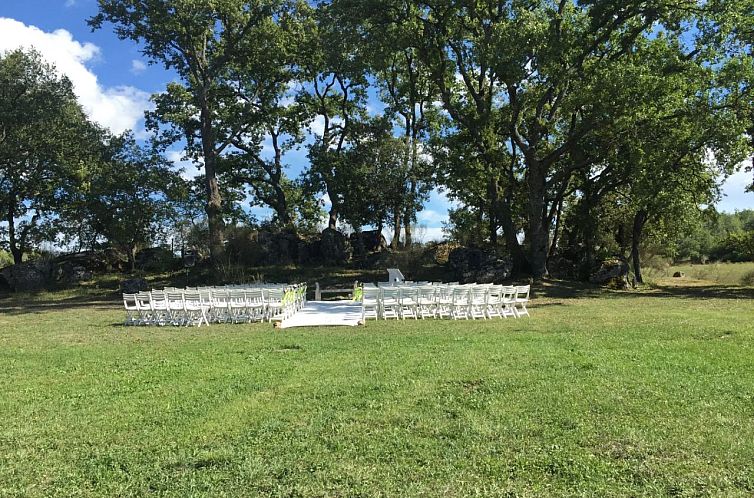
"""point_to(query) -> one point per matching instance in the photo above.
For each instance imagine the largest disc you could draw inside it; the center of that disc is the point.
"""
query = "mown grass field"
(598, 394)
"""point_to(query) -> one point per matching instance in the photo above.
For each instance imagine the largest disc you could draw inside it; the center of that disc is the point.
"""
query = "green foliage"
(6, 258)
(736, 247)
(45, 141)
(718, 237)
(231, 59)
(126, 201)
(583, 130)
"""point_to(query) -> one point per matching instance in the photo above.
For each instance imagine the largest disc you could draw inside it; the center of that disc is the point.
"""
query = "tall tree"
(44, 140)
(201, 41)
(127, 198)
(335, 94)
(410, 95)
(525, 72)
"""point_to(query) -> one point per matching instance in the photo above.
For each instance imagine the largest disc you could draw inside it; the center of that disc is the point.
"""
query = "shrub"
(243, 247)
(748, 279)
(6, 259)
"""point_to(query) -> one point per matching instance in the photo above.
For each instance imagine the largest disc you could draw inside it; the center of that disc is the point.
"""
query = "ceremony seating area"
(205, 305)
(277, 302)
(437, 300)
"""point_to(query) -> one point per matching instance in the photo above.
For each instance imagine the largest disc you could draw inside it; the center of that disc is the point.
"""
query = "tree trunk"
(510, 234)
(281, 207)
(214, 199)
(407, 229)
(588, 228)
(640, 218)
(396, 242)
(16, 251)
(132, 259)
(332, 220)
(556, 232)
(492, 195)
(538, 232)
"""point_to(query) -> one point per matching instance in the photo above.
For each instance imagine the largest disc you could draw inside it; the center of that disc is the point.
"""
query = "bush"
(736, 247)
(440, 251)
(243, 247)
(409, 261)
(6, 259)
(157, 260)
(748, 279)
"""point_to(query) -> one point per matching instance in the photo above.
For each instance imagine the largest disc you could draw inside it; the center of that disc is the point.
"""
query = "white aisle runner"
(325, 313)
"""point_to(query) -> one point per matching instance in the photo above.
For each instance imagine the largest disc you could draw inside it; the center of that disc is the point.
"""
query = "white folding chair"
(478, 302)
(409, 299)
(426, 301)
(370, 303)
(195, 308)
(459, 302)
(444, 301)
(176, 309)
(144, 305)
(131, 304)
(255, 305)
(237, 308)
(521, 300)
(509, 301)
(159, 307)
(391, 302)
(495, 301)
(275, 305)
(220, 305)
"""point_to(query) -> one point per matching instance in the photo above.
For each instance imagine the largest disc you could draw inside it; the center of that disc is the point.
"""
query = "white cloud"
(70, 3)
(431, 217)
(317, 126)
(429, 234)
(137, 66)
(117, 108)
(189, 169)
(735, 196)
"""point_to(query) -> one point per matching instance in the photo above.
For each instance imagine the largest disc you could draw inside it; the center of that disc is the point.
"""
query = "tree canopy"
(576, 130)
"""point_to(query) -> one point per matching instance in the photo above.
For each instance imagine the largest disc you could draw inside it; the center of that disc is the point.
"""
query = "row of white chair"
(452, 301)
(205, 305)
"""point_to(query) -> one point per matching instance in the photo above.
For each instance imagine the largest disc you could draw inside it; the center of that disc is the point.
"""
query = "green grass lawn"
(598, 394)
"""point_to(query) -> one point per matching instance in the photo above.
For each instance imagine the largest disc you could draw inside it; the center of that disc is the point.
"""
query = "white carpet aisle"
(325, 313)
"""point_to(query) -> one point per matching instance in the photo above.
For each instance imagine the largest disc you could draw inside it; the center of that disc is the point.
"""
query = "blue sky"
(113, 82)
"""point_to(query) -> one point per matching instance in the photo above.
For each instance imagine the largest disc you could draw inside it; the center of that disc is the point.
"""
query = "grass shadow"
(697, 290)
(21, 305)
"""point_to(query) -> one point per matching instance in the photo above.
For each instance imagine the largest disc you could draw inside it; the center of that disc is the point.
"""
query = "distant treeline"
(718, 237)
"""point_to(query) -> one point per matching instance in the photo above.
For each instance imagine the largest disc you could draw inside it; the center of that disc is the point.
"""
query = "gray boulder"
(133, 285)
(156, 259)
(471, 265)
(613, 273)
(335, 249)
(366, 242)
(264, 247)
(29, 276)
(77, 267)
